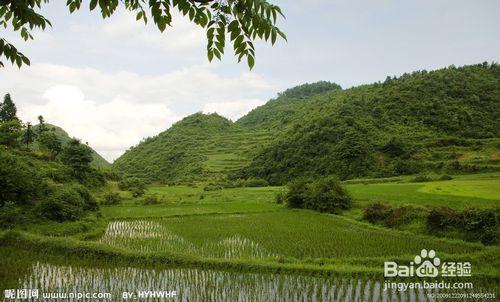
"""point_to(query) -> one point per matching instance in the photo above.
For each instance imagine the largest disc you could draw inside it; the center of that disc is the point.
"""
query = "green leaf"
(93, 4)
(251, 61)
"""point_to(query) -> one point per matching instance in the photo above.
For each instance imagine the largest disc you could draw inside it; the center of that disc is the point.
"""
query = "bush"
(256, 182)
(130, 183)
(400, 216)
(376, 212)
(327, 195)
(9, 215)
(279, 198)
(151, 199)
(445, 177)
(442, 218)
(133, 184)
(64, 204)
(212, 187)
(296, 195)
(390, 216)
(137, 192)
(476, 223)
(323, 195)
(421, 178)
(20, 182)
(112, 198)
(90, 203)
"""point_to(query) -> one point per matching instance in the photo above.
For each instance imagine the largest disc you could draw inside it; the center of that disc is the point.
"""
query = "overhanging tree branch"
(243, 21)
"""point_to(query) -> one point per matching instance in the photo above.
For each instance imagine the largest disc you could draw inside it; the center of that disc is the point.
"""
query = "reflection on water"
(208, 285)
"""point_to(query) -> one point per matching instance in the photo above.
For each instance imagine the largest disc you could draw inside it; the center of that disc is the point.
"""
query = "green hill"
(444, 121)
(197, 148)
(98, 161)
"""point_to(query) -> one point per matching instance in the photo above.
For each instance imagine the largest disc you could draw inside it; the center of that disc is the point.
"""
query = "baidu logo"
(426, 264)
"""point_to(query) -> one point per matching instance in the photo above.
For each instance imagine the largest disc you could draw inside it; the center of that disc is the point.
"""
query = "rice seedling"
(151, 236)
(212, 285)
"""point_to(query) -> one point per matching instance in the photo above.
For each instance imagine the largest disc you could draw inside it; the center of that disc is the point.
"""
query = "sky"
(113, 82)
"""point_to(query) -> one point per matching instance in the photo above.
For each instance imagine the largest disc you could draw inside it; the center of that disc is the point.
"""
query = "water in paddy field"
(203, 285)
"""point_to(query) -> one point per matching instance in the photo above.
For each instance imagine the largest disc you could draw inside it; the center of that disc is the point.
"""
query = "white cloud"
(182, 36)
(233, 110)
(110, 127)
(115, 110)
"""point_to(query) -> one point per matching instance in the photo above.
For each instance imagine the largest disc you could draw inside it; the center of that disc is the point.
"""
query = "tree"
(49, 141)
(8, 109)
(10, 126)
(296, 195)
(41, 125)
(77, 156)
(10, 132)
(29, 135)
(242, 21)
(328, 195)
(20, 182)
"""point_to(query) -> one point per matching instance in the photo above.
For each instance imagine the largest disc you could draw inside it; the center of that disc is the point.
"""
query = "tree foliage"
(417, 123)
(8, 110)
(397, 127)
(240, 22)
(77, 156)
(29, 135)
(322, 195)
(50, 142)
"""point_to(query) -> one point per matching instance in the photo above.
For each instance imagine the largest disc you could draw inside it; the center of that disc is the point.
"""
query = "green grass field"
(247, 226)
(246, 223)
(241, 239)
(296, 234)
(457, 193)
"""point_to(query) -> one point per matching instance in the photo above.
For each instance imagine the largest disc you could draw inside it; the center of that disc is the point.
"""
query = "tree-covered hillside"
(424, 121)
(98, 160)
(44, 176)
(446, 121)
(197, 148)
(289, 107)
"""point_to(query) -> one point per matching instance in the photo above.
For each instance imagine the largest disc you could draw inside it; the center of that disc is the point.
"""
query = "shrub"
(327, 195)
(279, 198)
(390, 216)
(445, 177)
(476, 223)
(212, 187)
(406, 167)
(151, 199)
(400, 216)
(9, 215)
(19, 181)
(476, 220)
(256, 182)
(324, 195)
(112, 198)
(90, 203)
(442, 218)
(296, 195)
(376, 212)
(137, 192)
(64, 204)
(131, 182)
(421, 178)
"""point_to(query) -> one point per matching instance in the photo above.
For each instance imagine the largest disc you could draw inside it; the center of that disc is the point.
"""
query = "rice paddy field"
(239, 245)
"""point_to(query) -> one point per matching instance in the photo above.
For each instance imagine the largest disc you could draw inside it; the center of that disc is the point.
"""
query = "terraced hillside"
(197, 148)
(443, 121)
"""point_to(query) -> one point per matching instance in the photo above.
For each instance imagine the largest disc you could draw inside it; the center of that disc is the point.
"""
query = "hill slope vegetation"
(98, 160)
(444, 121)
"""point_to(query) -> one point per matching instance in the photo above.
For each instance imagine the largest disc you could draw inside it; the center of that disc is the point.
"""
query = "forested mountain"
(445, 121)
(98, 160)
